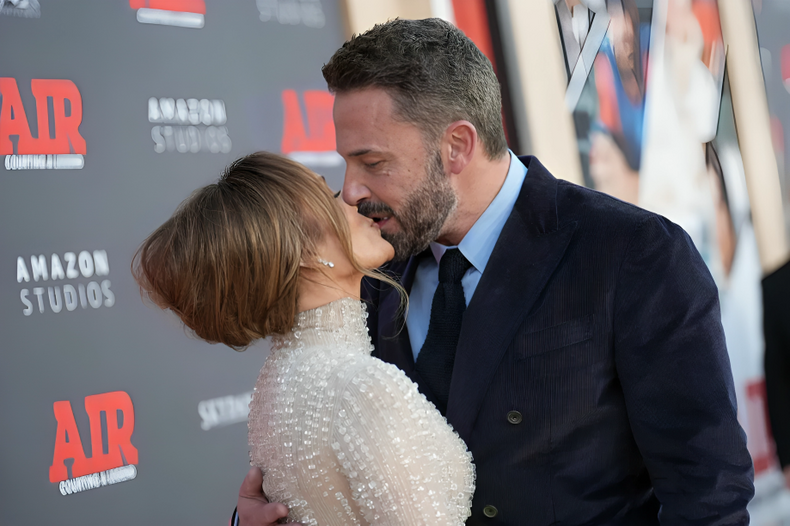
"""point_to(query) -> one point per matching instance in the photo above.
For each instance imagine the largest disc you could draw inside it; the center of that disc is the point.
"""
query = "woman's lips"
(380, 222)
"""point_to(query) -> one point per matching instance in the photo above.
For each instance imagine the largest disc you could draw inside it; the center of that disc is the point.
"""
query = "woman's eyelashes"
(337, 194)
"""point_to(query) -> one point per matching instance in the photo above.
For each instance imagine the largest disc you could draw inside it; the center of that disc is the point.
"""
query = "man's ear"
(459, 145)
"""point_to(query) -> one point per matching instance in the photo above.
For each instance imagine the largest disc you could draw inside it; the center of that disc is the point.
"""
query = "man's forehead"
(366, 105)
(364, 123)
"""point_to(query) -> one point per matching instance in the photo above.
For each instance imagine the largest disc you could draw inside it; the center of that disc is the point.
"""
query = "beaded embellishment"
(345, 438)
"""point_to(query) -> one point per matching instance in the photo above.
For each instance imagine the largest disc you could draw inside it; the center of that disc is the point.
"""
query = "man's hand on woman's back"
(253, 508)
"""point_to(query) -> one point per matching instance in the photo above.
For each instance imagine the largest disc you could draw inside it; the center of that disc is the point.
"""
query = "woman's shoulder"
(382, 386)
(355, 377)
(367, 367)
(322, 364)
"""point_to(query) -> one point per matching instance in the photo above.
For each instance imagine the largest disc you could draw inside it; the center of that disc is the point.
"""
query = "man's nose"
(354, 190)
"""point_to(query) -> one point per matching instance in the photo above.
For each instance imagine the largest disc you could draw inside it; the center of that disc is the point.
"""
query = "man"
(590, 378)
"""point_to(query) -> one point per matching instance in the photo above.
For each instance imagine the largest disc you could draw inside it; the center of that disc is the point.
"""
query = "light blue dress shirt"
(477, 246)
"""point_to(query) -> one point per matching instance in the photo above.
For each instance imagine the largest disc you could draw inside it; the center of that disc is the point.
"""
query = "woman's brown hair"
(228, 261)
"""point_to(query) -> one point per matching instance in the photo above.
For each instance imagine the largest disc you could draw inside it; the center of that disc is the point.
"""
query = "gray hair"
(434, 73)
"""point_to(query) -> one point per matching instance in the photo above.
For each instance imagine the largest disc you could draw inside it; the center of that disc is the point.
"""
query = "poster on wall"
(772, 18)
(605, 46)
(735, 247)
(650, 99)
(111, 114)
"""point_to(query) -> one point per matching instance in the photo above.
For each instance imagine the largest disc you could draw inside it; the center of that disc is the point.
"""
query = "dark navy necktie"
(436, 358)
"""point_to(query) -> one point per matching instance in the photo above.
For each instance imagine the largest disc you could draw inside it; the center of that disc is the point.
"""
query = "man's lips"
(379, 222)
(378, 213)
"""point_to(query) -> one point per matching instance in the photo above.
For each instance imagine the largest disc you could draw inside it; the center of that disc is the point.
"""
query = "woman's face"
(370, 249)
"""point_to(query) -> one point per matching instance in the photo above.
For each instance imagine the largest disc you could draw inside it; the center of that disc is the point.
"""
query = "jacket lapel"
(529, 248)
(392, 343)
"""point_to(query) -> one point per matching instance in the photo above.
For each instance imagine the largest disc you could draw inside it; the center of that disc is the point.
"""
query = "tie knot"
(453, 266)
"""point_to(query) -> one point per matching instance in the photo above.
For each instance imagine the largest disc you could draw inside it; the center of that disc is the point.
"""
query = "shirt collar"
(478, 244)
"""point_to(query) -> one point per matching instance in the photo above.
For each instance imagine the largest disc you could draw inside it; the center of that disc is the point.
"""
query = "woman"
(343, 438)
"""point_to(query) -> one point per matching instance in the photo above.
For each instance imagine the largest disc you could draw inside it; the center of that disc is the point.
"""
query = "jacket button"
(514, 417)
(490, 511)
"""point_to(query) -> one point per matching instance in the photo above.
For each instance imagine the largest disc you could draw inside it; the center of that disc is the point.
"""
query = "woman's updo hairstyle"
(228, 261)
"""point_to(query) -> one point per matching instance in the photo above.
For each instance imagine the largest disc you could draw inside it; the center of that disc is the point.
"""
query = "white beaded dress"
(345, 438)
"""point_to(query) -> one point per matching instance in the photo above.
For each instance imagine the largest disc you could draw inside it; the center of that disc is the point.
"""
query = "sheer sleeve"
(403, 462)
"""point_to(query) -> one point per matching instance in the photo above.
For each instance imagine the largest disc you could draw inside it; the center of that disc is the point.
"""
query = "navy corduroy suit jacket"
(591, 381)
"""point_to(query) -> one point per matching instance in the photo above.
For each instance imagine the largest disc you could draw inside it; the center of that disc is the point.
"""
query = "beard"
(423, 214)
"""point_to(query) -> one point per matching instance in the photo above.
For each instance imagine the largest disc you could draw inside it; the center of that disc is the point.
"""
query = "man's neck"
(476, 188)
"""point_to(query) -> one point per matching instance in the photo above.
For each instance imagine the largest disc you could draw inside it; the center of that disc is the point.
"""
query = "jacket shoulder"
(611, 224)
(579, 202)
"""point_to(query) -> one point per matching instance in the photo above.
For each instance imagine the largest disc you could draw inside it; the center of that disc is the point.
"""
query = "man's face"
(390, 175)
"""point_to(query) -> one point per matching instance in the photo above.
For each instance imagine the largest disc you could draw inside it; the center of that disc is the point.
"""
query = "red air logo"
(58, 143)
(179, 13)
(310, 141)
(110, 462)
